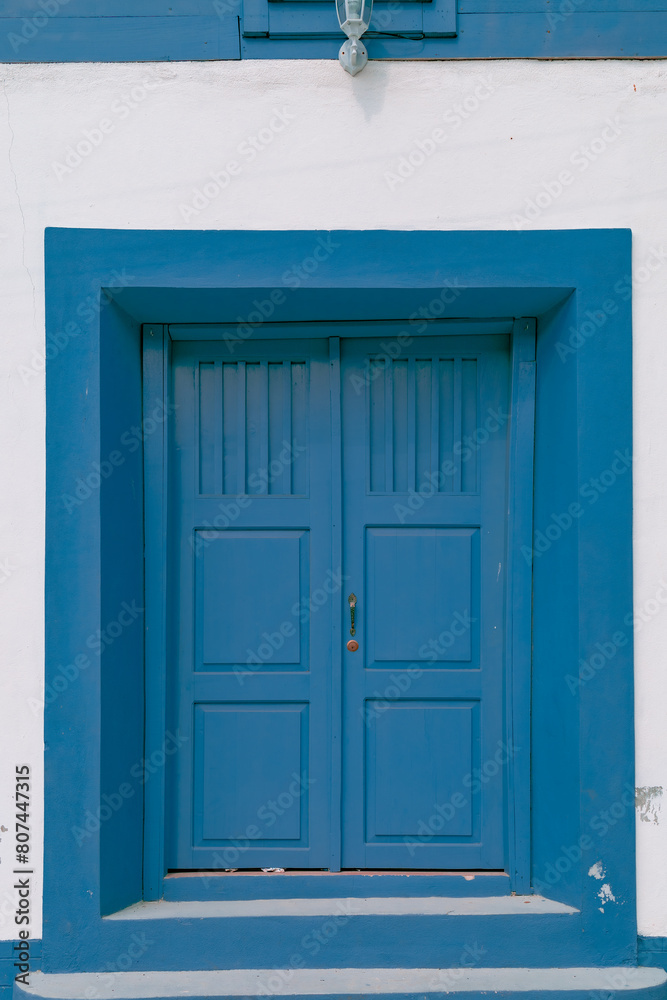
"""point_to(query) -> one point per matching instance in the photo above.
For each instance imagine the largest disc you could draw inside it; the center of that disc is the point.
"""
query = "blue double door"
(303, 472)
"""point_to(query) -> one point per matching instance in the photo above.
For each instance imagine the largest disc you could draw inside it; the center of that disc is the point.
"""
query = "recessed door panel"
(244, 789)
(247, 587)
(419, 586)
(420, 794)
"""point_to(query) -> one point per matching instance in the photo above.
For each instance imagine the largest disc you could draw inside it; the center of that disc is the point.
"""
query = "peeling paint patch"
(597, 870)
(648, 803)
(605, 895)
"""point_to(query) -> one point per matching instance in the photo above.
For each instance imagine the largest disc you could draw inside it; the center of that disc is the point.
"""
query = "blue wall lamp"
(354, 16)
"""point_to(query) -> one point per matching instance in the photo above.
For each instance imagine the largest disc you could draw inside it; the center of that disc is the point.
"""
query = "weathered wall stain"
(648, 804)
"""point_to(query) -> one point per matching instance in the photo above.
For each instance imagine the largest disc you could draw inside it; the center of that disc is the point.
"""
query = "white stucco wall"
(332, 159)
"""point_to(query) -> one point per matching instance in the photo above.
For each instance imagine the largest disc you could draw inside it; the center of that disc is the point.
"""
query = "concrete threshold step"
(343, 984)
(350, 906)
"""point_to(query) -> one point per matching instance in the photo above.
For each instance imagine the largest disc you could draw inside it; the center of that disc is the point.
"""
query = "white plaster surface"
(325, 167)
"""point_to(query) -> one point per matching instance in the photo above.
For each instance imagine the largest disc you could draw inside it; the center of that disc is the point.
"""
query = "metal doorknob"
(353, 645)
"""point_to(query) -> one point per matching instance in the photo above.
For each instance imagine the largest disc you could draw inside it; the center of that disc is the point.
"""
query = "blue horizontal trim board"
(487, 29)
(110, 8)
(183, 8)
(559, 8)
(652, 951)
(118, 39)
(500, 36)
(8, 957)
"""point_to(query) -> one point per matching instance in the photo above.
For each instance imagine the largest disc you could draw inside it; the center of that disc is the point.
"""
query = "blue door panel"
(241, 783)
(249, 668)
(424, 501)
(247, 585)
(252, 672)
(403, 611)
(405, 788)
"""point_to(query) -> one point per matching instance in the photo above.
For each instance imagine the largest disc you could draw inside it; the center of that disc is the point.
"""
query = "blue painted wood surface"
(424, 516)
(251, 640)
(255, 669)
(316, 19)
(117, 647)
(113, 31)
(37, 37)
(519, 606)
(156, 346)
(327, 885)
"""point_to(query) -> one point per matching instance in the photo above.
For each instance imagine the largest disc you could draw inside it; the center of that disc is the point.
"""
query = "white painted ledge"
(335, 982)
(350, 906)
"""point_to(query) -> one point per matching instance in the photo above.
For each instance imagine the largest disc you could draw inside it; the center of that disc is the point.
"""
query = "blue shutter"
(314, 19)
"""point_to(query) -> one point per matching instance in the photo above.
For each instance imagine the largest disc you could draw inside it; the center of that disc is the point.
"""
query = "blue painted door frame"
(407, 504)
(101, 286)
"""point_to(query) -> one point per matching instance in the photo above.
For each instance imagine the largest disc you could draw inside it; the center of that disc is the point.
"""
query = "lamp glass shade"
(354, 16)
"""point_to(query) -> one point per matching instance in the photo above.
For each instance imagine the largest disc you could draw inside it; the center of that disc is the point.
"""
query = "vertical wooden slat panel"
(411, 425)
(446, 423)
(230, 388)
(218, 430)
(389, 427)
(241, 428)
(210, 428)
(469, 425)
(275, 463)
(400, 413)
(274, 428)
(299, 429)
(253, 429)
(435, 423)
(262, 404)
(423, 409)
(286, 441)
(377, 422)
(456, 483)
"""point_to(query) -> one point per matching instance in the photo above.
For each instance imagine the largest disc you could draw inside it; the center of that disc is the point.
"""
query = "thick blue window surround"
(101, 286)
(113, 31)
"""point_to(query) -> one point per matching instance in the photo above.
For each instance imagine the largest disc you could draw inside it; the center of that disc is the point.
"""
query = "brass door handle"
(352, 601)
(352, 644)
